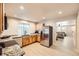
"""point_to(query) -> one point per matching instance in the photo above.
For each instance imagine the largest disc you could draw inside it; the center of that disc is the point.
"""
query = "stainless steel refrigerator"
(46, 36)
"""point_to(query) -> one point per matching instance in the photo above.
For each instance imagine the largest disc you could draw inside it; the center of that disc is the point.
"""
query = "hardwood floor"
(36, 49)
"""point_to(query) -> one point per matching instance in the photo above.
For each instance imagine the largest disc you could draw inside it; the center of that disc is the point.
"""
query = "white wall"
(70, 30)
(53, 24)
(13, 27)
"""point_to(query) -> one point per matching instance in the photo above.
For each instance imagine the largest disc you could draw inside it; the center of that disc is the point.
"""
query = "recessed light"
(22, 7)
(44, 17)
(60, 12)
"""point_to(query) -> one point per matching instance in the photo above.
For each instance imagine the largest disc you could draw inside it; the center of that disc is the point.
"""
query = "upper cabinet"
(1, 17)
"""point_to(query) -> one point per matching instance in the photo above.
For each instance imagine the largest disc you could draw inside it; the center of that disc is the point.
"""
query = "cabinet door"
(38, 38)
(27, 40)
(23, 42)
(1, 17)
(34, 38)
(30, 40)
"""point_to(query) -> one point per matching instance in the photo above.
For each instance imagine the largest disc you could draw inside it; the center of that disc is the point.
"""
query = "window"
(23, 29)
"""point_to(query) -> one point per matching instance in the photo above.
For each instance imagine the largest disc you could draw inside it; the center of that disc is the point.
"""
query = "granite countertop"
(7, 39)
(16, 36)
(20, 36)
(13, 50)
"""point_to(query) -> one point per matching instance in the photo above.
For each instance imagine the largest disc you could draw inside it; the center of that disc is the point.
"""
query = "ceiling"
(40, 11)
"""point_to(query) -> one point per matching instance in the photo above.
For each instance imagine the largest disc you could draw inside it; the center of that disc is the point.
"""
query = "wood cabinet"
(30, 40)
(33, 38)
(26, 40)
(1, 17)
(38, 38)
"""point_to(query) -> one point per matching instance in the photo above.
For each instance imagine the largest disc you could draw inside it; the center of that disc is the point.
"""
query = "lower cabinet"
(30, 40)
(26, 40)
(33, 38)
(38, 38)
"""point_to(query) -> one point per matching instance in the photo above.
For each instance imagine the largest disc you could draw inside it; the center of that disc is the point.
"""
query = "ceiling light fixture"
(60, 12)
(44, 17)
(22, 7)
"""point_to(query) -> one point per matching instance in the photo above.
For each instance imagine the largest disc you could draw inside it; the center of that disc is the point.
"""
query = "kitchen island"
(9, 47)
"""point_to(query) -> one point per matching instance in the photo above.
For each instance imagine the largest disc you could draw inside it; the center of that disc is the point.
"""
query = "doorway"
(66, 34)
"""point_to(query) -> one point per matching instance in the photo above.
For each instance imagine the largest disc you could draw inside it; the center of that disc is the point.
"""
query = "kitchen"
(24, 23)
